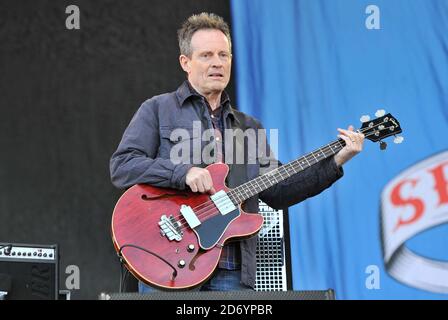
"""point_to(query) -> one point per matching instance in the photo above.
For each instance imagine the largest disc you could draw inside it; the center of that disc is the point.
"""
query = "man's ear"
(185, 63)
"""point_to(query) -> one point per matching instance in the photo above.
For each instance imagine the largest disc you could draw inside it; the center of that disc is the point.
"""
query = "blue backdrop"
(308, 67)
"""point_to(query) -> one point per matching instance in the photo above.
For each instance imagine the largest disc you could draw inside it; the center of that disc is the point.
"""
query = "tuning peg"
(380, 113)
(364, 118)
(398, 139)
(383, 145)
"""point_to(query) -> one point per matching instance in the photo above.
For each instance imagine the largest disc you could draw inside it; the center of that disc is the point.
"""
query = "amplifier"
(222, 295)
(273, 265)
(29, 271)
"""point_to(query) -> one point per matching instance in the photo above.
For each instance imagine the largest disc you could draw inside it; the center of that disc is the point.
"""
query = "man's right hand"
(200, 180)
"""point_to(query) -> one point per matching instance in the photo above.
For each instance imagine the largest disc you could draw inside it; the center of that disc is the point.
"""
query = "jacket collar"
(186, 91)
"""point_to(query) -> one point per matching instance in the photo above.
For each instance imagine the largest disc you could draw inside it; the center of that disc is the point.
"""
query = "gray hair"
(199, 22)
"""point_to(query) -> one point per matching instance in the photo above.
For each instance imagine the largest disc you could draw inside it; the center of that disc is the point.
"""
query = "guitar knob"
(190, 248)
(181, 263)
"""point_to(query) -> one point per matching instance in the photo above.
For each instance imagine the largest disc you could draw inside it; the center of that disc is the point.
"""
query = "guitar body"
(194, 255)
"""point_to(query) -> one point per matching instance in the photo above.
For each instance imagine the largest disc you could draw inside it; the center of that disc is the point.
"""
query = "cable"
(120, 255)
(123, 274)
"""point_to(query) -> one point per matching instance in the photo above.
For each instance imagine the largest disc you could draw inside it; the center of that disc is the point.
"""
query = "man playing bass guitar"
(173, 125)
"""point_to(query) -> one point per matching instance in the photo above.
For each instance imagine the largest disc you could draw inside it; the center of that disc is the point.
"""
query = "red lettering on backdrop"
(398, 201)
(441, 185)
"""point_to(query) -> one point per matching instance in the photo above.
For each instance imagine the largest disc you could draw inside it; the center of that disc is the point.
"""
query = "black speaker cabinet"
(223, 295)
(29, 271)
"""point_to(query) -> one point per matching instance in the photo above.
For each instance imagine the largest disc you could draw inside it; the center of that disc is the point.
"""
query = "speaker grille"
(271, 266)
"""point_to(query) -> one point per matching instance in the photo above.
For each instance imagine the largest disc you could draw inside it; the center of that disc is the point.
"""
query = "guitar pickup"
(190, 216)
(223, 202)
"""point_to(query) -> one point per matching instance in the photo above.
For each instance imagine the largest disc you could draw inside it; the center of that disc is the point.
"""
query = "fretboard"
(271, 178)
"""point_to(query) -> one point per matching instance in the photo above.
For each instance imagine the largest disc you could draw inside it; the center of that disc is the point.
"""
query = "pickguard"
(211, 230)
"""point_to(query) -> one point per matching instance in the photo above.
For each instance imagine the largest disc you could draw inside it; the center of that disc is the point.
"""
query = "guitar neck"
(271, 178)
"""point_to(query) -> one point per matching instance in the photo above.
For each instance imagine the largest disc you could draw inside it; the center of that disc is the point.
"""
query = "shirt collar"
(186, 91)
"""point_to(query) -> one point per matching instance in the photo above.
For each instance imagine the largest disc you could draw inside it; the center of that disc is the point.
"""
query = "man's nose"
(216, 61)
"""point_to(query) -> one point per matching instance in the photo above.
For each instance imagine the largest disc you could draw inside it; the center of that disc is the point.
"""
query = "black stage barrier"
(224, 295)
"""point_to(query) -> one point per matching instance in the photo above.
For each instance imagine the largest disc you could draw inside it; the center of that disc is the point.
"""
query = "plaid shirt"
(231, 253)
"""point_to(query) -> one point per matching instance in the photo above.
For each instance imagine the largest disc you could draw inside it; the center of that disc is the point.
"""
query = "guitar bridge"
(170, 228)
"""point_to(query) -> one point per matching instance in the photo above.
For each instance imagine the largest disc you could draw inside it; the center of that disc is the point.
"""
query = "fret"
(293, 167)
(263, 182)
(234, 197)
(280, 174)
(273, 177)
(258, 188)
(237, 200)
(261, 187)
(289, 168)
(242, 192)
(340, 145)
(245, 193)
(237, 194)
(269, 183)
(323, 153)
(254, 185)
(287, 172)
(258, 184)
(340, 141)
(307, 161)
(240, 196)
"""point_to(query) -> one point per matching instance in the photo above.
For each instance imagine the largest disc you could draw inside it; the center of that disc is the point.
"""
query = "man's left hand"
(353, 145)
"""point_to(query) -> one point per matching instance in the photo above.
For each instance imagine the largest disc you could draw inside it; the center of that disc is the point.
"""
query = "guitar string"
(208, 203)
(202, 212)
(209, 209)
(323, 149)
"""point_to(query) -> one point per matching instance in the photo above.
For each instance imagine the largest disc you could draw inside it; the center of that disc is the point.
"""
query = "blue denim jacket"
(143, 156)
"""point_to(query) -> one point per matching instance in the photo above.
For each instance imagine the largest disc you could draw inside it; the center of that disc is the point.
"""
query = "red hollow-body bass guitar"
(172, 239)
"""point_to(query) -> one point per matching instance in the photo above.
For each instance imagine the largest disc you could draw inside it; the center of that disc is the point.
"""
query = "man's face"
(210, 63)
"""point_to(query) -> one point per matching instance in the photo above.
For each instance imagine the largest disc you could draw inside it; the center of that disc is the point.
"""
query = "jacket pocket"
(179, 144)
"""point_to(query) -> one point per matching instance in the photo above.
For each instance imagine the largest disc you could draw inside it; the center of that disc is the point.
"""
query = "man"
(145, 151)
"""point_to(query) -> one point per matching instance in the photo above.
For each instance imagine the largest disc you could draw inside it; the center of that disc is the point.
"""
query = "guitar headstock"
(383, 126)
